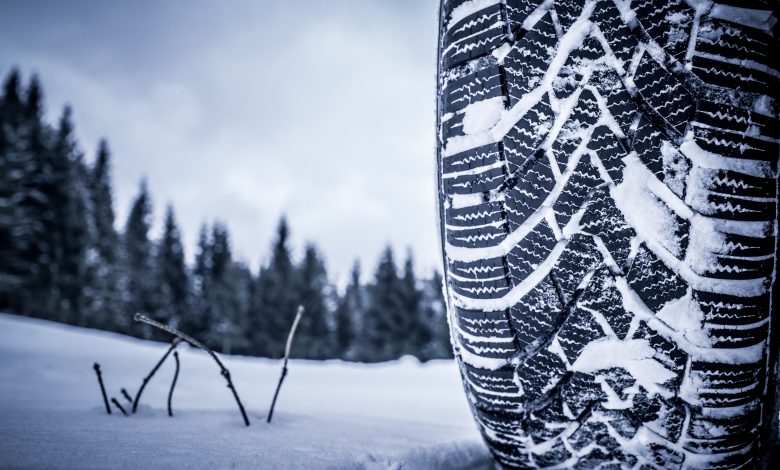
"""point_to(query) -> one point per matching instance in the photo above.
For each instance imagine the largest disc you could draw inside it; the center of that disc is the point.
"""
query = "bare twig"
(286, 358)
(102, 388)
(119, 405)
(173, 384)
(126, 395)
(194, 342)
(175, 343)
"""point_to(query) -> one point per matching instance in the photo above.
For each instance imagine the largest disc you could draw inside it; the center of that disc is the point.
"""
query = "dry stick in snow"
(174, 343)
(195, 343)
(102, 388)
(119, 405)
(126, 395)
(286, 358)
(173, 384)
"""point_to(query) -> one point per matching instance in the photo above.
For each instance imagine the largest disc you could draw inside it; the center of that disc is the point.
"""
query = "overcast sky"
(242, 110)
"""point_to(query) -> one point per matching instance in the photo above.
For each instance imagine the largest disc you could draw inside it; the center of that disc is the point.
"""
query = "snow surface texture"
(399, 415)
(608, 190)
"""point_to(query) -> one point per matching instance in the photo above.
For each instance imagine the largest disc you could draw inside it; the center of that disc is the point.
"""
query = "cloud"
(240, 111)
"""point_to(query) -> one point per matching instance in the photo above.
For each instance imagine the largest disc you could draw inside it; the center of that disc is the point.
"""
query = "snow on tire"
(608, 198)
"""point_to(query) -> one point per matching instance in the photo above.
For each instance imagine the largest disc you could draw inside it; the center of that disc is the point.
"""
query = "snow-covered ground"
(400, 415)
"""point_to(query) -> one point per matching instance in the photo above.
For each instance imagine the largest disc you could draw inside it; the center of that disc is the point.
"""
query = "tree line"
(62, 259)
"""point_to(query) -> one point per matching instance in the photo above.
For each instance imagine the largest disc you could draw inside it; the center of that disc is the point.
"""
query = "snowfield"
(399, 415)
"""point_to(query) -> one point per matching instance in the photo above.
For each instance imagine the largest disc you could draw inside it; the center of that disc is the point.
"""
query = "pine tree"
(173, 279)
(314, 339)
(137, 253)
(276, 299)
(349, 312)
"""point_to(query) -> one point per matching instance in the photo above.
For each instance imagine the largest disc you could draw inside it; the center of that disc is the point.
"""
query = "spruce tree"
(276, 298)
(434, 314)
(173, 279)
(138, 286)
(12, 271)
(417, 330)
(69, 201)
(313, 340)
(349, 312)
(105, 305)
(40, 198)
(385, 324)
(196, 320)
(227, 322)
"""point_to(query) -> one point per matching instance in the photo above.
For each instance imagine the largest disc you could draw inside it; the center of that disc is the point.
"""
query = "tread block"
(491, 289)
(475, 158)
(581, 392)
(727, 337)
(479, 237)
(540, 373)
(735, 77)
(568, 11)
(487, 181)
(668, 97)
(602, 296)
(472, 47)
(529, 58)
(619, 101)
(563, 148)
(580, 257)
(577, 331)
(621, 40)
(734, 145)
(474, 216)
(735, 41)
(475, 321)
(546, 423)
(495, 390)
(666, 352)
(571, 75)
(738, 267)
(490, 268)
(477, 86)
(729, 118)
(647, 144)
(474, 23)
(530, 252)
(576, 191)
(554, 456)
(487, 348)
(733, 207)
(536, 316)
(609, 150)
(653, 281)
(585, 113)
(603, 219)
(727, 182)
(668, 23)
(722, 309)
(452, 127)
(530, 191)
(518, 11)
(522, 141)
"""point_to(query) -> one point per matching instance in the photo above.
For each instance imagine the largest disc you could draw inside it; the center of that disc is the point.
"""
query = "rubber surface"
(608, 198)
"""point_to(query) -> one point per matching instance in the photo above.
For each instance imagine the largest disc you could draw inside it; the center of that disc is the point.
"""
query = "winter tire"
(608, 202)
